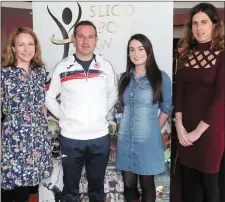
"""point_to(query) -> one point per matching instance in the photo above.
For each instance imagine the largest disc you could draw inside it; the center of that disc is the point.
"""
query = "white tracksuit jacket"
(85, 99)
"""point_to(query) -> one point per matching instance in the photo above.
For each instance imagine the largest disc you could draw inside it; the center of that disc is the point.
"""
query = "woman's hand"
(193, 136)
(199, 130)
(182, 135)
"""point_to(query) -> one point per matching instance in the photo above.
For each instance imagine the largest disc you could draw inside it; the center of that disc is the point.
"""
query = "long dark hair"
(188, 43)
(152, 71)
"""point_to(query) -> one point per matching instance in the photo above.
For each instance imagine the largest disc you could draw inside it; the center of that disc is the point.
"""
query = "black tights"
(131, 192)
(192, 178)
(19, 194)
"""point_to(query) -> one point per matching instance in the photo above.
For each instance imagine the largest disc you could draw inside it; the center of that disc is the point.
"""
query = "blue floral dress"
(26, 148)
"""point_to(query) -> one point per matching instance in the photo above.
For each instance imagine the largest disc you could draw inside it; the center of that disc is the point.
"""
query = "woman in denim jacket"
(143, 89)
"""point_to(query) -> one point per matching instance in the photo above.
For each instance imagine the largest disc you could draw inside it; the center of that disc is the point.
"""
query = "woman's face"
(202, 27)
(24, 48)
(137, 53)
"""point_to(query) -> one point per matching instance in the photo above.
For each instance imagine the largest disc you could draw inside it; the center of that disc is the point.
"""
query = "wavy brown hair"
(8, 58)
(188, 43)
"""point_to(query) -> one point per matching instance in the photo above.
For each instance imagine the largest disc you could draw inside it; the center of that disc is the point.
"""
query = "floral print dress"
(26, 148)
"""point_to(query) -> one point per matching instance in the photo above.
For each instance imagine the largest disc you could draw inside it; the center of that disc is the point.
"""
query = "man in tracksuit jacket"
(88, 91)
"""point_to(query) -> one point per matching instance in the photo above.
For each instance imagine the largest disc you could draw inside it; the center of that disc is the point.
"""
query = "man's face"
(85, 41)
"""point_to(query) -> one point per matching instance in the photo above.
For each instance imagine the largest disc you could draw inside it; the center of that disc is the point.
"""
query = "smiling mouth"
(27, 55)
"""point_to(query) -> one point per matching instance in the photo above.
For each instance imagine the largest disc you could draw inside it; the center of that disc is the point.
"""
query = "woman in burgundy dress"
(199, 103)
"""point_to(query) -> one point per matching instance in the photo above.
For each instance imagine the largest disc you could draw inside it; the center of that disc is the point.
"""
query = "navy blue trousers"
(94, 155)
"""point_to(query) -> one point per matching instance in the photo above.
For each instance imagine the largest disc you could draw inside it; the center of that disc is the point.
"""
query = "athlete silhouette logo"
(67, 18)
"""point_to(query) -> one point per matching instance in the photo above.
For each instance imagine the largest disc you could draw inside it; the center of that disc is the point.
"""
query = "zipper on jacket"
(88, 68)
(94, 59)
(87, 72)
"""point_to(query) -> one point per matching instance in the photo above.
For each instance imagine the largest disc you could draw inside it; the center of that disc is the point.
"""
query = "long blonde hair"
(187, 44)
(8, 57)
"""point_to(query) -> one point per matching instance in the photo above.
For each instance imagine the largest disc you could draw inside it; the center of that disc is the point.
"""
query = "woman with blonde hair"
(199, 103)
(26, 147)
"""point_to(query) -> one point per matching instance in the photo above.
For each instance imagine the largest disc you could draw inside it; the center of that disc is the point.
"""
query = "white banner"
(116, 22)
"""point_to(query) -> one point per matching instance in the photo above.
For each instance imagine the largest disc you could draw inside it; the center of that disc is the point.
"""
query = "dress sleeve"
(166, 106)
(179, 92)
(215, 112)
